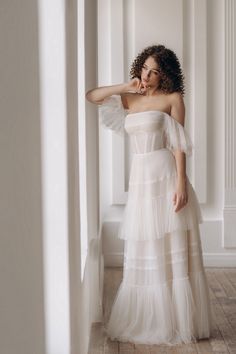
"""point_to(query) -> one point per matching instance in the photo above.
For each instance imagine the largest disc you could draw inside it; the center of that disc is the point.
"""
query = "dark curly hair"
(171, 76)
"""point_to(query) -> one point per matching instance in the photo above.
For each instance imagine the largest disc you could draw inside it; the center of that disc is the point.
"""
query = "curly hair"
(171, 75)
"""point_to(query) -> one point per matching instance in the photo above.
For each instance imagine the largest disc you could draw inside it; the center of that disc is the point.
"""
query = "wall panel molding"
(117, 64)
(124, 40)
(229, 212)
(116, 259)
(199, 98)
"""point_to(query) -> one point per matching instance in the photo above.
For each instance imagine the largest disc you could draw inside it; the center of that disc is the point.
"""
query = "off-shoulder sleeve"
(112, 114)
(176, 137)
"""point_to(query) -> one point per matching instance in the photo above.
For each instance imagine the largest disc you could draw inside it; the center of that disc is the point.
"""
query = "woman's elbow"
(89, 96)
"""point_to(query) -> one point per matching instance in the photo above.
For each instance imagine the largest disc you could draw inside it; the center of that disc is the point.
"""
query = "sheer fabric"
(164, 294)
(175, 137)
(113, 114)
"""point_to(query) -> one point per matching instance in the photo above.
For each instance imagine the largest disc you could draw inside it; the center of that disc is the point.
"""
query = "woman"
(164, 294)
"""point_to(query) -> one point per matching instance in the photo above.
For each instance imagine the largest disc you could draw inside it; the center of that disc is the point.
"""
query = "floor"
(222, 282)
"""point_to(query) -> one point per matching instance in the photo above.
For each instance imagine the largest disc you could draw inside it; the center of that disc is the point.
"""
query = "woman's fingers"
(174, 198)
(178, 205)
(140, 88)
(180, 202)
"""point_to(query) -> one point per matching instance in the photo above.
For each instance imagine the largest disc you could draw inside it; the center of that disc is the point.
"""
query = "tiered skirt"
(164, 296)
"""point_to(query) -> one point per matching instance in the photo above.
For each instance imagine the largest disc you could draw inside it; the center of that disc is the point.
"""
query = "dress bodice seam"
(155, 111)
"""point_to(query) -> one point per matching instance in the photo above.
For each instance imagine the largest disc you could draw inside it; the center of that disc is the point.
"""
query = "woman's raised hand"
(98, 94)
(136, 85)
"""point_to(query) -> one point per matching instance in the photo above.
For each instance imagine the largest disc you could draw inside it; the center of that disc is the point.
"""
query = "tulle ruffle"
(150, 212)
(160, 262)
(167, 313)
(176, 137)
(112, 114)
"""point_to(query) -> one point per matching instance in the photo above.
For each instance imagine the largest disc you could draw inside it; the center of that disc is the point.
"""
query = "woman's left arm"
(180, 197)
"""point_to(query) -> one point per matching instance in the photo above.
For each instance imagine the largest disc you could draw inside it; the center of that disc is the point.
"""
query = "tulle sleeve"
(176, 137)
(112, 114)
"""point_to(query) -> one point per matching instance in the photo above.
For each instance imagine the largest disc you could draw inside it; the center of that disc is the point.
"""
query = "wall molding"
(229, 211)
(199, 97)
(121, 48)
(210, 231)
(117, 64)
(116, 259)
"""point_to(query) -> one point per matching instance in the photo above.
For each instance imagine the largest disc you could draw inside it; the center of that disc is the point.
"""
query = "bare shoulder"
(177, 107)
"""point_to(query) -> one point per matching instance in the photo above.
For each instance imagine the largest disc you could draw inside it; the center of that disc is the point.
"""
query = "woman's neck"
(152, 91)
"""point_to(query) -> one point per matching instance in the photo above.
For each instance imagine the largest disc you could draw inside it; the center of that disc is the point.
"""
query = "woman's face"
(150, 75)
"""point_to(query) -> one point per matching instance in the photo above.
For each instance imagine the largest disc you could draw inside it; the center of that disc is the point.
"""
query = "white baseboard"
(113, 259)
(219, 259)
(214, 255)
(209, 259)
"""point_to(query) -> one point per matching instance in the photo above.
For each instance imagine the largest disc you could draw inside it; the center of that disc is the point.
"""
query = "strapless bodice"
(146, 131)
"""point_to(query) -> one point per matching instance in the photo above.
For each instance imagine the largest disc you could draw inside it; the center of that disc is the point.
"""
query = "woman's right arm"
(98, 94)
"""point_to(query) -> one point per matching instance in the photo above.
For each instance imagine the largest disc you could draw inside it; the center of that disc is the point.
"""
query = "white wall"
(21, 257)
(45, 306)
(195, 30)
(53, 111)
(86, 305)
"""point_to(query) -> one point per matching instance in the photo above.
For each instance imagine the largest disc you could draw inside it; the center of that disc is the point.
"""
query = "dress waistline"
(136, 154)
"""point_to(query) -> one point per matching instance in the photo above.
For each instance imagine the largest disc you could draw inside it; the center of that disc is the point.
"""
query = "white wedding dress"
(164, 294)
